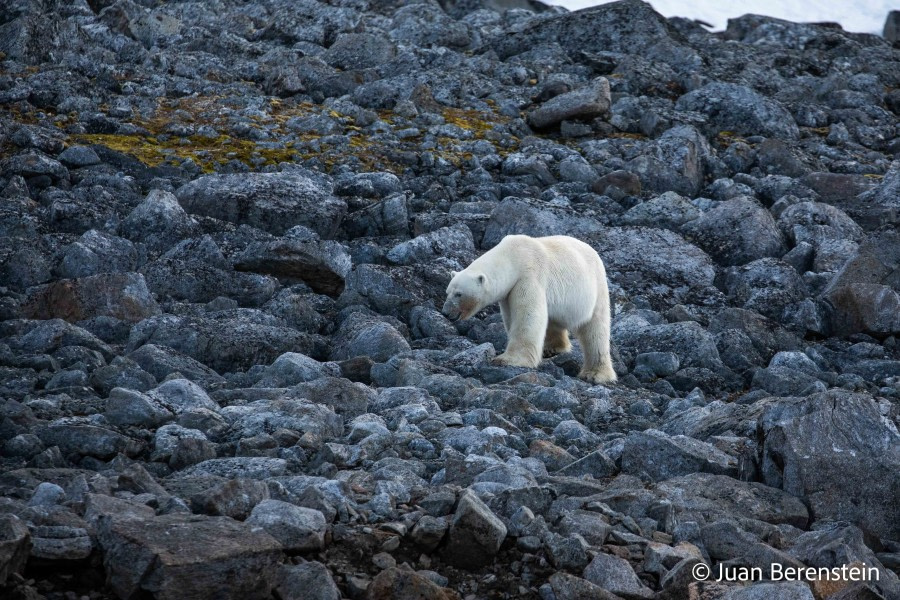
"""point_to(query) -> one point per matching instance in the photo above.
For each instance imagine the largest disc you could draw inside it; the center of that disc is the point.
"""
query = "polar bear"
(546, 287)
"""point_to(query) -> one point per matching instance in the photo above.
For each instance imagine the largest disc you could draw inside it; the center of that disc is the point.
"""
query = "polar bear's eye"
(457, 295)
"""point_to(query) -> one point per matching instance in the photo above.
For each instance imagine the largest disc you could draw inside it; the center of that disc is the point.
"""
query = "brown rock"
(124, 296)
(398, 584)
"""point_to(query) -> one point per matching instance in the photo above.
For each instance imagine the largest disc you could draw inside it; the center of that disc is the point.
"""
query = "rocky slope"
(225, 228)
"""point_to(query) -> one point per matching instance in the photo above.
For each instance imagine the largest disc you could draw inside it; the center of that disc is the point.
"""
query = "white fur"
(546, 287)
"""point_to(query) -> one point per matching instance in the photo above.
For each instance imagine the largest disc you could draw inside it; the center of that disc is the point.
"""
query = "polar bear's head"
(465, 295)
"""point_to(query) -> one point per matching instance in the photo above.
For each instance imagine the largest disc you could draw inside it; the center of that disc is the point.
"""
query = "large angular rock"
(739, 109)
(322, 265)
(630, 27)
(400, 584)
(615, 575)
(159, 222)
(736, 232)
(162, 361)
(15, 545)
(838, 452)
(656, 263)
(178, 557)
(815, 222)
(195, 270)
(453, 242)
(706, 498)
(273, 202)
(674, 162)
(588, 102)
(298, 528)
(692, 344)
(307, 581)
(662, 456)
(225, 342)
(476, 534)
(123, 296)
(864, 296)
(360, 335)
(82, 439)
(96, 252)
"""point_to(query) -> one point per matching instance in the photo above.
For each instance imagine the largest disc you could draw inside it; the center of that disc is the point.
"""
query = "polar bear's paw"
(601, 374)
(551, 350)
(513, 360)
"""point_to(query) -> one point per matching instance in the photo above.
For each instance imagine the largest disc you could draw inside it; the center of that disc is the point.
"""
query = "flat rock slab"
(322, 265)
(178, 557)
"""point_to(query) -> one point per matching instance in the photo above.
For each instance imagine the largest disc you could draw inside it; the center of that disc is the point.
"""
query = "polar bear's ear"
(481, 279)
(454, 273)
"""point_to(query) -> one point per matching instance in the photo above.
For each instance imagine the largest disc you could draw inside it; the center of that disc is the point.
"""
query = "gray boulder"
(273, 202)
(360, 335)
(668, 210)
(588, 102)
(455, 243)
(476, 534)
(297, 528)
(615, 575)
(15, 545)
(188, 557)
(736, 232)
(123, 296)
(96, 252)
(225, 342)
(739, 109)
(864, 296)
(322, 265)
(662, 457)
(837, 451)
(159, 222)
(307, 581)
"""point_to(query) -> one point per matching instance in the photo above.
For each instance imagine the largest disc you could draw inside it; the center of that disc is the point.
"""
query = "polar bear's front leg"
(526, 322)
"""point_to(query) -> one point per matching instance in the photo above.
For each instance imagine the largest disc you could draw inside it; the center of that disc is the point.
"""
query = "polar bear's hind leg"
(556, 341)
(594, 338)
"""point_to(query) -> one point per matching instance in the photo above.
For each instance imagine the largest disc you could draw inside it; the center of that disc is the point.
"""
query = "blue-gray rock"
(124, 296)
(310, 580)
(322, 265)
(273, 202)
(615, 575)
(668, 210)
(128, 407)
(96, 252)
(476, 534)
(662, 457)
(297, 528)
(736, 232)
(841, 438)
(739, 109)
(360, 335)
(159, 222)
(587, 102)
